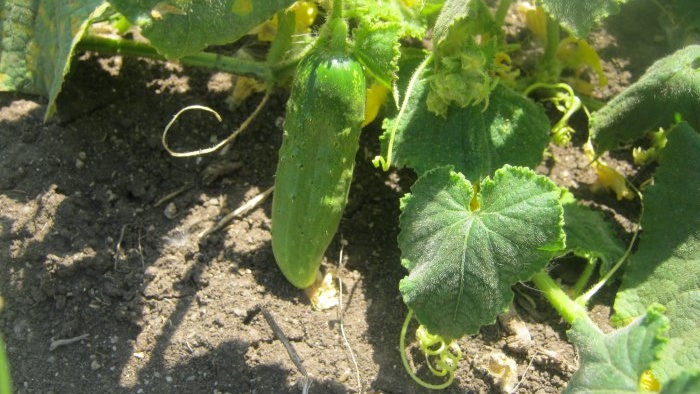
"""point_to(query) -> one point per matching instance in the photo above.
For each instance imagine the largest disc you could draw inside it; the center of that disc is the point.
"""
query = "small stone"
(94, 365)
(170, 211)
(79, 164)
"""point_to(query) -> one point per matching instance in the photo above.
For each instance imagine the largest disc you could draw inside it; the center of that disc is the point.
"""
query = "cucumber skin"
(321, 137)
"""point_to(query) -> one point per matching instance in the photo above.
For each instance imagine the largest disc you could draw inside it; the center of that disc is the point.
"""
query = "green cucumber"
(321, 136)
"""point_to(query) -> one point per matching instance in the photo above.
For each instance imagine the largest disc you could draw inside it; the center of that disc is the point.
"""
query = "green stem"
(569, 309)
(337, 12)
(502, 11)
(5, 378)
(202, 59)
(584, 298)
(549, 68)
(550, 51)
(286, 23)
(585, 276)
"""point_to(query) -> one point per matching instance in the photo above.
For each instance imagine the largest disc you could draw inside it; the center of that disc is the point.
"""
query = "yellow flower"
(304, 13)
(648, 382)
(608, 177)
(376, 96)
(504, 70)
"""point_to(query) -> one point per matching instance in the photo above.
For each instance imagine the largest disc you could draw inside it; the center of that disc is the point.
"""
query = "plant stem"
(549, 68)
(585, 297)
(502, 11)
(569, 309)
(5, 377)
(585, 276)
(286, 23)
(203, 59)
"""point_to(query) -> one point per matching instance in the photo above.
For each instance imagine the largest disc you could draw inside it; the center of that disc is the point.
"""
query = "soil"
(99, 245)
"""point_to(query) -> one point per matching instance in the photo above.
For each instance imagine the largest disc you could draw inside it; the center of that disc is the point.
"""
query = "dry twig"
(293, 355)
(243, 209)
(340, 318)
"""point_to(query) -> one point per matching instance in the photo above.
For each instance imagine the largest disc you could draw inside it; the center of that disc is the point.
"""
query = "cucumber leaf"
(579, 17)
(666, 267)
(669, 86)
(687, 382)
(38, 39)
(377, 48)
(465, 251)
(179, 28)
(453, 11)
(411, 16)
(477, 141)
(589, 235)
(614, 363)
(465, 44)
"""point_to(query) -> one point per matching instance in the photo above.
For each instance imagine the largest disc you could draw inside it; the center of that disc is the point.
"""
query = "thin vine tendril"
(447, 353)
(566, 102)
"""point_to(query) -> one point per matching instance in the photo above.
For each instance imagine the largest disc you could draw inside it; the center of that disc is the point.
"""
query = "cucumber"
(321, 137)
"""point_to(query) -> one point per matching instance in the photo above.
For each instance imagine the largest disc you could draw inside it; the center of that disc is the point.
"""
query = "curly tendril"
(446, 355)
(566, 102)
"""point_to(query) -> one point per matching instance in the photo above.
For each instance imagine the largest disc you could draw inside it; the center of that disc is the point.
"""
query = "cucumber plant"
(479, 219)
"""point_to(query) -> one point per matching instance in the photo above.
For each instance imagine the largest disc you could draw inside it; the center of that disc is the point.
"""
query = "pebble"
(170, 211)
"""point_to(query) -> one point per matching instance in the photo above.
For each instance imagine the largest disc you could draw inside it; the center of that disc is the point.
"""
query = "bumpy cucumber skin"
(321, 137)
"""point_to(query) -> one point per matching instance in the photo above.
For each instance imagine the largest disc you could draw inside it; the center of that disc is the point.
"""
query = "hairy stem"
(584, 298)
(203, 59)
(502, 11)
(569, 309)
(585, 276)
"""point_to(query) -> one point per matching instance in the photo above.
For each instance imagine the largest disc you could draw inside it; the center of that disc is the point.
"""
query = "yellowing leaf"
(577, 55)
(376, 96)
(243, 88)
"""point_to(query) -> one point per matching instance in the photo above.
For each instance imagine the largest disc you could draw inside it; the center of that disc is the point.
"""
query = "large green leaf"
(580, 16)
(377, 48)
(614, 363)
(687, 382)
(477, 141)
(456, 10)
(588, 234)
(666, 267)
(669, 86)
(462, 259)
(38, 39)
(178, 28)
